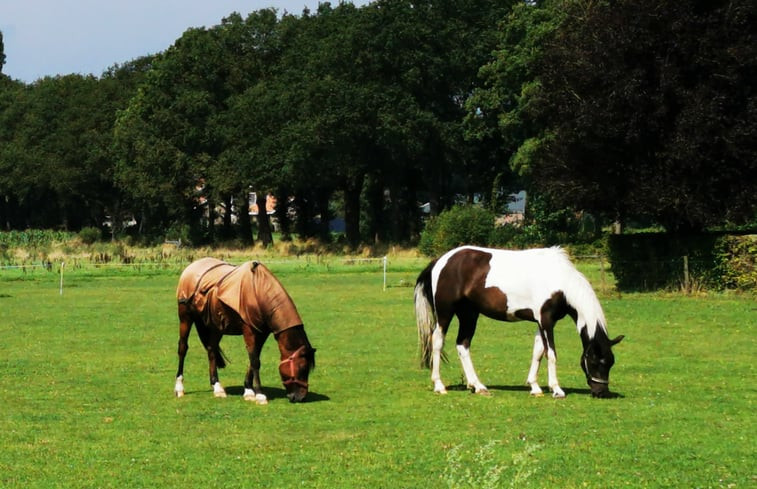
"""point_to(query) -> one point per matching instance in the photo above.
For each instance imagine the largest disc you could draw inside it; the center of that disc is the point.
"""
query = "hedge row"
(663, 261)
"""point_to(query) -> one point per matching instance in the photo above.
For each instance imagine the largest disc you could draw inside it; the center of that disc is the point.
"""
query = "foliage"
(628, 110)
(2, 53)
(460, 225)
(737, 262)
(90, 235)
(652, 261)
(33, 238)
(483, 470)
(624, 111)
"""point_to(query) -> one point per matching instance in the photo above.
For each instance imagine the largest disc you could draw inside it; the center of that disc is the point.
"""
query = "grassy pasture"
(87, 381)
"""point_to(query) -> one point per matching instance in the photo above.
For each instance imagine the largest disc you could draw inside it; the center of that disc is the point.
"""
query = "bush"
(460, 225)
(653, 261)
(90, 235)
(737, 262)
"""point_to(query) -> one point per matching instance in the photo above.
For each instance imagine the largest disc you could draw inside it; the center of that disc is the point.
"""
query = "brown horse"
(222, 299)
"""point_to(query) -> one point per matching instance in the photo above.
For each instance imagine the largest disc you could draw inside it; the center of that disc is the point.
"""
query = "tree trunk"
(282, 214)
(352, 192)
(226, 231)
(322, 202)
(374, 209)
(245, 224)
(264, 223)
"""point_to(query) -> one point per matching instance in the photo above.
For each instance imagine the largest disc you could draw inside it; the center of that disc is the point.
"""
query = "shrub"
(457, 226)
(737, 262)
(653, 261)
(90, 235)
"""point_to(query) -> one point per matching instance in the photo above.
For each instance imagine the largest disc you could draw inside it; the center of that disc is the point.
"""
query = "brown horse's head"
(296, 363)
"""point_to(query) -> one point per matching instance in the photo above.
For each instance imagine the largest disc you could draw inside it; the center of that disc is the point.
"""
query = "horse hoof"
(440, 392)
(484, 392)
(537, 394)
(261, 400)
(179, 393)
(558, 395)
(219, 395)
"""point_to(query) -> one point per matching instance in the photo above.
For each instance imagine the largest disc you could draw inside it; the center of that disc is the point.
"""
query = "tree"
(54, 157)
(639, 109)
(2, 53)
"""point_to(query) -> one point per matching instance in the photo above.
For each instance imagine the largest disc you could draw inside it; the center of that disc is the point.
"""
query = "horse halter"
(592, 378)
(292, 377)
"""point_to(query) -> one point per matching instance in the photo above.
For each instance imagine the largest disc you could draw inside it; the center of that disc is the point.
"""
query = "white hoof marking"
(259, 399)
(218, 390)
(535, 389)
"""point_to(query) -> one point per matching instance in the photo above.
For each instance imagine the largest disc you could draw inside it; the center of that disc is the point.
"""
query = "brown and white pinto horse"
(539, 285)
(246, 300)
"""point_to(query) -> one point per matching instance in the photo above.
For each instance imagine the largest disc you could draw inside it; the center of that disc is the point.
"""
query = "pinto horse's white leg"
(470, 373)
(538, 354)
(179, 387)
(437, 342)
(557, 392)
(218, 390)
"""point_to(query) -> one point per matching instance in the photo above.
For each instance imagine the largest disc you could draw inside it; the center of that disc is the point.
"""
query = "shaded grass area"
(88, 376)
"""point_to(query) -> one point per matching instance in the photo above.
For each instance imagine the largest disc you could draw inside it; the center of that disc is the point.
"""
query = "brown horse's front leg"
(252, 386)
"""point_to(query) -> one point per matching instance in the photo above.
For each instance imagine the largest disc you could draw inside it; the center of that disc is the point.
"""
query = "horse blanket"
(250, 290)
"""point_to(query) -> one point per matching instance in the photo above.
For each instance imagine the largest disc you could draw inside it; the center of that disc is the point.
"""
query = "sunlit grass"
(88, 376)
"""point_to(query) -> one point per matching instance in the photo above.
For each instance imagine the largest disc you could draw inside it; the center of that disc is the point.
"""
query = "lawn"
(88, 378)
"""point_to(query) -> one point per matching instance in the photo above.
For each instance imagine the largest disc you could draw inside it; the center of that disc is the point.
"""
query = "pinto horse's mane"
(580, 295)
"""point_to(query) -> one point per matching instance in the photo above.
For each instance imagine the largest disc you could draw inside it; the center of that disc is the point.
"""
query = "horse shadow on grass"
(525, 388)
(277, 393)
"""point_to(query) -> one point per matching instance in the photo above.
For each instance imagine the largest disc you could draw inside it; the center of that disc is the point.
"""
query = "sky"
(60, 37)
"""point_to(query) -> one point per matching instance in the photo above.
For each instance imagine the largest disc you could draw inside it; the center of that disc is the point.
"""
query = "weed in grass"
(488, 469)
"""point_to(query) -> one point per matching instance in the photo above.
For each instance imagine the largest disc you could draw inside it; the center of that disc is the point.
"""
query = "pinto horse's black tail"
(425, 314)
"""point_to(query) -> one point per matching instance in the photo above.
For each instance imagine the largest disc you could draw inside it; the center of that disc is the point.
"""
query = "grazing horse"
(539, 285)
(222, 299)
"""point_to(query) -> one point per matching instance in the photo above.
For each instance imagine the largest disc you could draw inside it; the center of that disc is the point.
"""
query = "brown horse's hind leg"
(211, 340)
(185, 326)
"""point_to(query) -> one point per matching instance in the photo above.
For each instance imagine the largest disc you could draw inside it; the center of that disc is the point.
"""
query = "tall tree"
(55, 154)
(641, 109)
(2, 53)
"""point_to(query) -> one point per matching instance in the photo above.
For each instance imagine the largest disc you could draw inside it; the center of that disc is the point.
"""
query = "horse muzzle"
(297, 395)
(599, 388)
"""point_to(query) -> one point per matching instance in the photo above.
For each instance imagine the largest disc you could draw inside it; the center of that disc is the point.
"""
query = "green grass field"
(87, 393)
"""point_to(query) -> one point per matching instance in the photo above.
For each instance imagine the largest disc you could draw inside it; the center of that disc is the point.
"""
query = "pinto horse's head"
(295, 369)
(596, 362)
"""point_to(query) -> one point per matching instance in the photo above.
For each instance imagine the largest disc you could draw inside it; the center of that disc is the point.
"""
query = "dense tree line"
(629, 110)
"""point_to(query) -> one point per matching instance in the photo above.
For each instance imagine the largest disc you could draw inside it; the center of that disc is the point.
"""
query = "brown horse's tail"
(221, 358)
(425, 315)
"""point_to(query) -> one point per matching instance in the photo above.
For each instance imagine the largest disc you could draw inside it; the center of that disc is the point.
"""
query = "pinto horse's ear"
(616, 340)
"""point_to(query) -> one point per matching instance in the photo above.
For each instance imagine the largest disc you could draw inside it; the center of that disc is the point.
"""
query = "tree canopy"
(626, 110)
